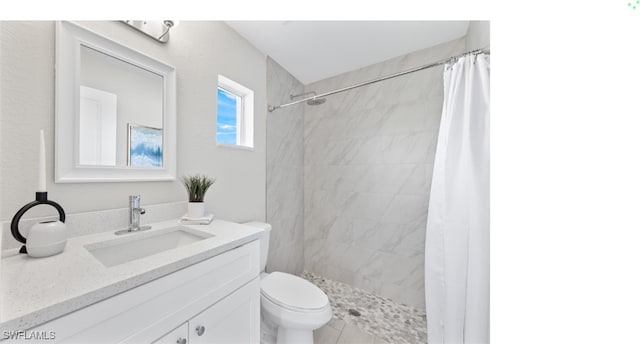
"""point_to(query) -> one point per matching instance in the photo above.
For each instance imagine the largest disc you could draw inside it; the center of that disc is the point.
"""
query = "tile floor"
(381, 320)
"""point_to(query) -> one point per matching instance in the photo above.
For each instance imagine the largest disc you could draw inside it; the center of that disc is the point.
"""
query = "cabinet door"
(177, 336)
(235, 319)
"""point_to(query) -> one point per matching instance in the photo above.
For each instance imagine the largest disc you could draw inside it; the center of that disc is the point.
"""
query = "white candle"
(42, 175)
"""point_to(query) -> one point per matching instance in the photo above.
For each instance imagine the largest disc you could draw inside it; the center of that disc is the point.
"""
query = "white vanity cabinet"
(235, 319)
(218, 297)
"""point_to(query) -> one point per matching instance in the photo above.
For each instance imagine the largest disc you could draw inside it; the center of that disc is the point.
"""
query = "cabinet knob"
(181, 340)
(200, 330)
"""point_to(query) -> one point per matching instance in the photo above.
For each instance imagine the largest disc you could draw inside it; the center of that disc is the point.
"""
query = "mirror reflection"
(120, 118)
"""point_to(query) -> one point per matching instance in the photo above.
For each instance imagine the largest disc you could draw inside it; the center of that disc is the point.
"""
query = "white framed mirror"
(115, 111)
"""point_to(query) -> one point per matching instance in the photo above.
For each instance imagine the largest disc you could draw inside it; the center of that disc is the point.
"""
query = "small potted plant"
(197, 186)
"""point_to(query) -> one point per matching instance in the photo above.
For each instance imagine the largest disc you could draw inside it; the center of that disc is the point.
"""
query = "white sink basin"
(144, 244)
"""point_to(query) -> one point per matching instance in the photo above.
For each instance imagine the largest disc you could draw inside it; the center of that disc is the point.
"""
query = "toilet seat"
(293, 293)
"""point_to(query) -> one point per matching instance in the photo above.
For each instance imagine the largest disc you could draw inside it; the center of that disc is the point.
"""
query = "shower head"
(312, 101)
(316, 101)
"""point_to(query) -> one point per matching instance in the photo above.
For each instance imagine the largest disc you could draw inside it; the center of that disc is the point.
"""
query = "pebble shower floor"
(379, 316)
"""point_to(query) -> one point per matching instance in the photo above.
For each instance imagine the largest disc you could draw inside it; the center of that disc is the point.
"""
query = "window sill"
(227, 145)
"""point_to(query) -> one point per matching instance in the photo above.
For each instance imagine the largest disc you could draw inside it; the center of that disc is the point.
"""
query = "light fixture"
(156, 29)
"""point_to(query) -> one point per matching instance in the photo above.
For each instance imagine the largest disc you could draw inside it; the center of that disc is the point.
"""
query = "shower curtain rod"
(272, 108)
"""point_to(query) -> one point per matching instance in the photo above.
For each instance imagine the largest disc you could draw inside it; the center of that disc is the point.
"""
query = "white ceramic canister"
(46, 239)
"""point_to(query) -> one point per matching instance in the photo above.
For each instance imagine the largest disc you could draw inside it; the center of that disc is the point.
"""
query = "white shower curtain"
(457, 240)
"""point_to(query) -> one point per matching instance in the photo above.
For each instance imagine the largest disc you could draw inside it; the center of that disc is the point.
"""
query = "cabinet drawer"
(145, 313)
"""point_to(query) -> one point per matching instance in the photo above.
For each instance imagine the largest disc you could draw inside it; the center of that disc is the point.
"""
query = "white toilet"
(291, 307)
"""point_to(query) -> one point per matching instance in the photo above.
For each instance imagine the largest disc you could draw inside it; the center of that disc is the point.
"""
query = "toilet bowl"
(291, 307)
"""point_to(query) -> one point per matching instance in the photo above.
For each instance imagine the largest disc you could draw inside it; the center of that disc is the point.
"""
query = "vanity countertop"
(36, 290)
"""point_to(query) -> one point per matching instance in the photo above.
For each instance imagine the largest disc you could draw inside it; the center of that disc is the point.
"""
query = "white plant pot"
(195, 210)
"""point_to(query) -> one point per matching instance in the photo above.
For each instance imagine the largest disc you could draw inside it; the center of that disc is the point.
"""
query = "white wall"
(199, 51)
(477, 35)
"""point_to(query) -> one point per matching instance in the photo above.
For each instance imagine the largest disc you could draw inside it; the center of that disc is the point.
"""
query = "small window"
(235, 114)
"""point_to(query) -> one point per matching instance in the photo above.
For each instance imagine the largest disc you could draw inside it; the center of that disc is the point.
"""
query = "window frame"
(244, 113)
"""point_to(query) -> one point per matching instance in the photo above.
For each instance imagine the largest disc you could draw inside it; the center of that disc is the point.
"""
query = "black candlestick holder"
(41, 198)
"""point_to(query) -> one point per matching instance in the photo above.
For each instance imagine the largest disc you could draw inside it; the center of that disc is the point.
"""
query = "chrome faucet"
(134, 216)
(134, 213)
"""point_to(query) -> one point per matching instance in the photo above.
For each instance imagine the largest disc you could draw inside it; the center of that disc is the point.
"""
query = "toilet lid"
(292, 291)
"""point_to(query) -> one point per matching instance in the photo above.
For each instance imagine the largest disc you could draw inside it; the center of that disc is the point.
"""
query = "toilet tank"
(264, 242)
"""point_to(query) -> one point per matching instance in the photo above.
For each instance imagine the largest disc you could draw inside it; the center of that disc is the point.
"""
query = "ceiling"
(316, 50)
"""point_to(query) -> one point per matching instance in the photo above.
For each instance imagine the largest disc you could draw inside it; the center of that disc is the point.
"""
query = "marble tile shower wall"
(368, 162)
(285, 160)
